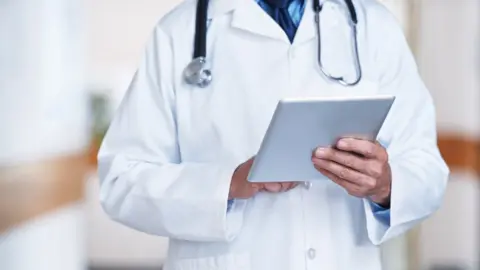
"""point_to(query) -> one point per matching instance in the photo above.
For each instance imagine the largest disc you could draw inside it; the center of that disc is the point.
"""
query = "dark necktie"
(281, 15)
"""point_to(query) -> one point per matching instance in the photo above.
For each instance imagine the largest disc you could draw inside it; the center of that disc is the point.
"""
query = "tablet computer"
(299, 126)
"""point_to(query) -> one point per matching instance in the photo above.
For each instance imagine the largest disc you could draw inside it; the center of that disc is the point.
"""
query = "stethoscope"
(198, 74)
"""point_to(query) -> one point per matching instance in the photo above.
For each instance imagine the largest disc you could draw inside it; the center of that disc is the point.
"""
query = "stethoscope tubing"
(196, 73)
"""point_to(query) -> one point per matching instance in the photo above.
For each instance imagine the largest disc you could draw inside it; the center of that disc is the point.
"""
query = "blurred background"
(64, 67)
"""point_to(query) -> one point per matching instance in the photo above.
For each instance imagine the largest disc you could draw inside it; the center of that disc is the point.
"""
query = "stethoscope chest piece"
(196, 73)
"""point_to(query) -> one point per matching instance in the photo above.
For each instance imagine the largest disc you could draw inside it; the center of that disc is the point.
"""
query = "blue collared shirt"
(296, 9)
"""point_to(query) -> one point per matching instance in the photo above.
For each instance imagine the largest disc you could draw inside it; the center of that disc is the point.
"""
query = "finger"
(346, 159)
(273, 187)
(351, 188)
(285, 186)
(365, 148)
(291, 185)
(279, 187)
(249, 163)
(344, 173)
(257, 186)
(370, 167)
(253, 189)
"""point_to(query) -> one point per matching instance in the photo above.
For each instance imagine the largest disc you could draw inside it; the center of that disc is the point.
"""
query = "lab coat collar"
(220, 7)
(249, 16)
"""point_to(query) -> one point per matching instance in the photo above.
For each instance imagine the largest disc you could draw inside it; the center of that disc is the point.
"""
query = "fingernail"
(342, 143)
(320, 152)
(277, 187)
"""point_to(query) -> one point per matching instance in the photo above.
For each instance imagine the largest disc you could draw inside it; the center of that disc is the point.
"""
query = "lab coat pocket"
(225, 262)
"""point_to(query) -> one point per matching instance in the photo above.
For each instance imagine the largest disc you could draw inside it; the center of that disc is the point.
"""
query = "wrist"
(383, 198)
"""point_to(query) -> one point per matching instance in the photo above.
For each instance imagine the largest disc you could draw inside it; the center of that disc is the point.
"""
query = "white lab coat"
(167, 160)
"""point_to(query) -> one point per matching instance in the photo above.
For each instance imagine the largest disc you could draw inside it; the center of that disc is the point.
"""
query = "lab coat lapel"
(249, 16)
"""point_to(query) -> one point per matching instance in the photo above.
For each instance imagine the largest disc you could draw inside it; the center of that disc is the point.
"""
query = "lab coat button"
(312, 253)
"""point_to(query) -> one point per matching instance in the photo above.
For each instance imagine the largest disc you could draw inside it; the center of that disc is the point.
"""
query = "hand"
(240, 188)
(279, 186)
(359, 166)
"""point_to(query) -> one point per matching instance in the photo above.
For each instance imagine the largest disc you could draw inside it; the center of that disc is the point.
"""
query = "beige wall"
(118, 30)
(448, 55)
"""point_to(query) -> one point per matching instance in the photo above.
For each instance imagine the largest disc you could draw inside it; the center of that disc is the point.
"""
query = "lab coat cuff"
(384, 224)
(234, 219)
(376, 228)
(382, 214)
(232, 210)
(405, 212)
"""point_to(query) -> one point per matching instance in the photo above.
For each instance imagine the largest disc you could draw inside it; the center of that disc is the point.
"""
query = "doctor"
(175, 159)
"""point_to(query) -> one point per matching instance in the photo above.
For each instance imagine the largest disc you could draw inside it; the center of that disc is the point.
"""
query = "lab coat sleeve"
(419, 174)
(143, 182)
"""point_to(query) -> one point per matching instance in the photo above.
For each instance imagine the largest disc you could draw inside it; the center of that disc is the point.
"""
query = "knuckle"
(347, 161)
(383, 155)
(335, 179)
(324, 164)
(331, 154)
(376, 170)
(370, 183)
(363, 191)
(380, 170)
(370, 150)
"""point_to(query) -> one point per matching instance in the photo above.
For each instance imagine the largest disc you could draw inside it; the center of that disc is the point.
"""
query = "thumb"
(257, 187)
